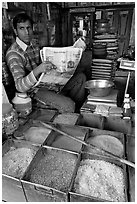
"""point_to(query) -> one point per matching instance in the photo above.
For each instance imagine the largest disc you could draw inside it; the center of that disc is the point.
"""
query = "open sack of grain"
(55, 101)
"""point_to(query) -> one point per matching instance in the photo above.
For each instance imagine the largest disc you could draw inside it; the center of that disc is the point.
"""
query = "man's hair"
(21, 18)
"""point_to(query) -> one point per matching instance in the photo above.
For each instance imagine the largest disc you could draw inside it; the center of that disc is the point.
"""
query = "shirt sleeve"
(16, 65)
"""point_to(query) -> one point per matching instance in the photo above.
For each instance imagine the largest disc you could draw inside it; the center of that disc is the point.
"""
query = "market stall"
(73, 144)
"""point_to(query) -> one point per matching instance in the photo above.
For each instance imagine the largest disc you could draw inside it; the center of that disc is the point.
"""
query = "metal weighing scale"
(111, 99)
(93, 101)
(127, 65)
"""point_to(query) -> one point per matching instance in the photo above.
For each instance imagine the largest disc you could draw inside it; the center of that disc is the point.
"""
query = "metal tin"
(93, 132)
(45, 115)
(131, 179)
(90, 119)
(12, 190)
(40, 193)
(76, 197)
(130, 147)
(67, 118)
(57, 140)
(118, 124)
(32, 126)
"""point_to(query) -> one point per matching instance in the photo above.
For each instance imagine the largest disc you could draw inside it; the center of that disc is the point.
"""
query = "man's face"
(24, 32)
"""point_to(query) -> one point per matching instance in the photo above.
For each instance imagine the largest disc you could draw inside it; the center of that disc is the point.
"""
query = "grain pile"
(106, 142)
(36, 134)
(55, 101)
(100, 179)
(67, 118)
(67, 143)
(54, 170)
(16, 161)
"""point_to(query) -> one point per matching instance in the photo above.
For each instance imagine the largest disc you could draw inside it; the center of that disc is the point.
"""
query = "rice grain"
(100, 179)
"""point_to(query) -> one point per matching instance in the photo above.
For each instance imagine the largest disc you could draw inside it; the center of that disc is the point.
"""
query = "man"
(23, 56)
(23, 60)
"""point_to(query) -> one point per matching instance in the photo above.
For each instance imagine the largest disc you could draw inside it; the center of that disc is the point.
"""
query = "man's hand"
(43, 68)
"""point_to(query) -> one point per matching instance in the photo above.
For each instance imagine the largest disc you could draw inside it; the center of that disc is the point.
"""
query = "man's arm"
(16, 64)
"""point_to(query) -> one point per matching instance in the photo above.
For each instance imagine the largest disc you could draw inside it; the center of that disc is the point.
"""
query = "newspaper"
(65, 61)
(64, 58)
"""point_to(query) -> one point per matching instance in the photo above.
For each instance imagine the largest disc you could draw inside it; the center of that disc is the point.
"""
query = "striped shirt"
(21, 60)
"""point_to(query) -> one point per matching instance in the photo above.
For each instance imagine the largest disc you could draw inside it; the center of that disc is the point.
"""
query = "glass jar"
(9, 119)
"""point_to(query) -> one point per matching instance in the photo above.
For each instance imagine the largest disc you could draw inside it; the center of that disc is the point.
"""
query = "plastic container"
(9, 119)
(127, 107)
(22, 104)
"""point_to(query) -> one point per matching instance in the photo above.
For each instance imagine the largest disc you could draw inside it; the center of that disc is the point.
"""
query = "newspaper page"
(65, 61)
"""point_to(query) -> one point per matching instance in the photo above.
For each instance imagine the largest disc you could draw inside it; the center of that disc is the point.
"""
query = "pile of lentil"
(106, 142)
(54, 170)
(16, 161)
(100, 179)
(64, 142)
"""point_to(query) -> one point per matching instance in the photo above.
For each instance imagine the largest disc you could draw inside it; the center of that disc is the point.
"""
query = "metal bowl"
(99, 87)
